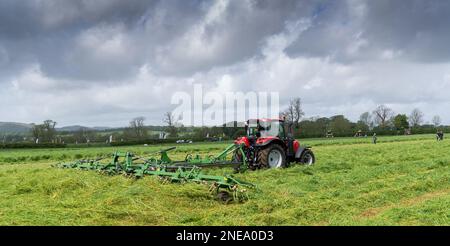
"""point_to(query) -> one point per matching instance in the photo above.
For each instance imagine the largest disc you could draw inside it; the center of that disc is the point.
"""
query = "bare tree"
(138, 128)
(294, 112)
(84, 135)
(36, 131)
(416, 117)
(50, 131)
(436, 120)
(382, 115)
(366, 118)
(169, 119)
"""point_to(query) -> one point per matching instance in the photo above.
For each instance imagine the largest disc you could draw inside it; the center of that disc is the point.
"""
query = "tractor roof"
(267, 119)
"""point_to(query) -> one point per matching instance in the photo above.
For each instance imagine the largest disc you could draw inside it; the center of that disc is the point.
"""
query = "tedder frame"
(164, 167)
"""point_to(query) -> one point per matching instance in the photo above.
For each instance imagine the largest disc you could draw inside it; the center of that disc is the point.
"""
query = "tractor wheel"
(273, 156)
(307, 157)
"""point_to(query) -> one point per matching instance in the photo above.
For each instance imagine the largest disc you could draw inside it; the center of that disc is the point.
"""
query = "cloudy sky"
(104, 62)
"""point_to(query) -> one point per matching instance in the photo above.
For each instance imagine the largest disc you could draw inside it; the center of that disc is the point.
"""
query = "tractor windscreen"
(264, 128)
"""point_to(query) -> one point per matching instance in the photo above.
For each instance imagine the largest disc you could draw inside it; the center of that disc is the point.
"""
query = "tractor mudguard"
(300, 150)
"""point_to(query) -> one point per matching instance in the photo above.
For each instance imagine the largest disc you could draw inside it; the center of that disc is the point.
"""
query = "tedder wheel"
(307, 157)
(273, 156)
(224, 196)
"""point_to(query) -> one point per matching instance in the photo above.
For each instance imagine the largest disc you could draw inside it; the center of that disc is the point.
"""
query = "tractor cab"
(271, 144)
(265, 128)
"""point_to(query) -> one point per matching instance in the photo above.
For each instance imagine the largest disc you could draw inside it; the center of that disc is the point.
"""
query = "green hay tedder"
(226, 188)
(266, 145)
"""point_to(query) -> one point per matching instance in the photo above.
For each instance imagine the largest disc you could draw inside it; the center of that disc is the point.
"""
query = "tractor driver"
(258, 131)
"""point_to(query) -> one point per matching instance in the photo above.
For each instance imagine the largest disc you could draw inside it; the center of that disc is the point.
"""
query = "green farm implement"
(129, 164)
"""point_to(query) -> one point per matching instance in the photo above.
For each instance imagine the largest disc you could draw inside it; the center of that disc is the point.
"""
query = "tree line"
(381, 120)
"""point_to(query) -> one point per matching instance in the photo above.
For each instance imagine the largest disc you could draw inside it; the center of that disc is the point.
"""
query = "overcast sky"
(103, 62)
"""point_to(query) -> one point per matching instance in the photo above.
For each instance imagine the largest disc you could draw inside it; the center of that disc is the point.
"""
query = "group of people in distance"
(439, 137)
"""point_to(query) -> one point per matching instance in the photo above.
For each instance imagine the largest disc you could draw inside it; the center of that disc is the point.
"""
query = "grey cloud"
(107, 60)
(26, 19)
(237, 35)
(158, 32)
(417, 29)
(46, 32)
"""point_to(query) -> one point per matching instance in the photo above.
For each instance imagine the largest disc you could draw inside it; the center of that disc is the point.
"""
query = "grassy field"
(403, 180)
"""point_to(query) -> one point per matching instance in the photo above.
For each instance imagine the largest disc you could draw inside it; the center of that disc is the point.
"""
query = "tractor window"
(262, 128)
(269, 128)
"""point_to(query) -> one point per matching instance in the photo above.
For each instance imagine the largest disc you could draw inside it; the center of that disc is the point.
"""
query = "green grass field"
(403, 180)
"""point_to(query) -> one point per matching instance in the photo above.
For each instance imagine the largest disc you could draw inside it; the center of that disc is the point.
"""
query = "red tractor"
(270, 144)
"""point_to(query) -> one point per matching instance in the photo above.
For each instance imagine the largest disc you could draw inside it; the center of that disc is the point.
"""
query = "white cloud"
(390, 54)
(32, 79)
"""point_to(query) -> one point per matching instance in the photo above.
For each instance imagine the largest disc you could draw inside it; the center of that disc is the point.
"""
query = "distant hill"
(77, 128)
(101, 128)
(14, 128)
(71, 128)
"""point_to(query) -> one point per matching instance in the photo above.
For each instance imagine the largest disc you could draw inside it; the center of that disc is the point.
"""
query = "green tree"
(401, 122)
(361, 125)
(340, 126)
(44, 132)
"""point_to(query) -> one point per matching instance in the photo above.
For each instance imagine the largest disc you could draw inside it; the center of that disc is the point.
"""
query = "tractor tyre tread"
(307, 151)
(263, 156)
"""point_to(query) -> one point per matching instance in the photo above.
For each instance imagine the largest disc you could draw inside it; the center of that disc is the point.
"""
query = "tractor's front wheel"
(272, 156)
(307, 157)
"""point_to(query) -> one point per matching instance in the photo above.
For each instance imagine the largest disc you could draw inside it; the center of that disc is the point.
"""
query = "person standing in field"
(374, 138)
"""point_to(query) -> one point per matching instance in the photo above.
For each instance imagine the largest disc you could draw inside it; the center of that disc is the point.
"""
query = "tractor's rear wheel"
(307, 157)
(272, 156)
